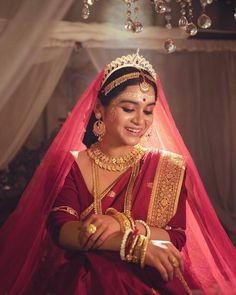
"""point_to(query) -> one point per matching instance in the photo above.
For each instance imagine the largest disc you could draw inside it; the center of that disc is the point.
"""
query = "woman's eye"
(148, 112)
(127, 110)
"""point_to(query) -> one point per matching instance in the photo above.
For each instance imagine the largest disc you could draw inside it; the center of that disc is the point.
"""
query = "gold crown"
(131, 60)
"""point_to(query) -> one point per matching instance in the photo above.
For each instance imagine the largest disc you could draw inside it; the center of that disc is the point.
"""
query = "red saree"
(27, 254)
(103, 272)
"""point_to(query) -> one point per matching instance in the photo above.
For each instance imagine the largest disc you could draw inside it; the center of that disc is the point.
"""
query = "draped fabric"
(29, 72)
(85, 271)
(209, 254)
(23, 36)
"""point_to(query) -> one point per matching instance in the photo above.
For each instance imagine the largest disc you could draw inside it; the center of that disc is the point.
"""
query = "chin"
(132, 141)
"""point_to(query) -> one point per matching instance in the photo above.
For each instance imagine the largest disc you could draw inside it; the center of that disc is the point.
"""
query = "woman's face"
(128, 116)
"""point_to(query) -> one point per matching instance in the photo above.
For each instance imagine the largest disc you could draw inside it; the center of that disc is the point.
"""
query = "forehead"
(134, 93)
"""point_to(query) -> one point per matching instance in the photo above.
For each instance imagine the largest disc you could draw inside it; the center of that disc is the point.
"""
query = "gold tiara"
(132, 60)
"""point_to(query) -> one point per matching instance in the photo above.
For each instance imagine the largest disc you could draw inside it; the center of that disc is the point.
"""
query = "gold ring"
(91, 229)
(174, 261)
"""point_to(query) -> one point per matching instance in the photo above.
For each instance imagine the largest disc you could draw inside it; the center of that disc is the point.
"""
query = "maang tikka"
(99, 129)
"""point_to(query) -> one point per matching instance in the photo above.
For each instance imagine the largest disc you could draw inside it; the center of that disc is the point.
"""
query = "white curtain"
(28, 71)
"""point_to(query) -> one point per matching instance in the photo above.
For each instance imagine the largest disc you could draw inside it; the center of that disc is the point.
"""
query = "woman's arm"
(157, 255)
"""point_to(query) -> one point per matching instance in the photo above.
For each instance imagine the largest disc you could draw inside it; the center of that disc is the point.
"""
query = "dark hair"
(89, 137)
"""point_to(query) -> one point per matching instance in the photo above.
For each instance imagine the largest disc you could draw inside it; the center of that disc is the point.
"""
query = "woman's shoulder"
(81, 159)
(166, 154)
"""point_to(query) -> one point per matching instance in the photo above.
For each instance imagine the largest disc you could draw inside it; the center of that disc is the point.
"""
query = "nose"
(138, 118)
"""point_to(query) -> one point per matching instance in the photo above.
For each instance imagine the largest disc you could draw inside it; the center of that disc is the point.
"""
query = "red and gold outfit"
(158, 197)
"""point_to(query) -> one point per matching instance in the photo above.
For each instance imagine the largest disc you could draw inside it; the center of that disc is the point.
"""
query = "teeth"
(133, 130)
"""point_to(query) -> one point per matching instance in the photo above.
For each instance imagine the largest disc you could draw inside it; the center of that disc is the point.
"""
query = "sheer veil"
(28, 256)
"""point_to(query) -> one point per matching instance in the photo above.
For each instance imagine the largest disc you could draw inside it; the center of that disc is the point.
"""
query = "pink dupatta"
(24, 242)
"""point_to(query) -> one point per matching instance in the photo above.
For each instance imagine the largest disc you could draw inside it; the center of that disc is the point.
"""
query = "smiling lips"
(133, 131)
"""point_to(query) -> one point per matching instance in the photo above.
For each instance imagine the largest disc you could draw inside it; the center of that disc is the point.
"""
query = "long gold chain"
(97, 200)
(116, 164)
(129, 191)
(128, 196)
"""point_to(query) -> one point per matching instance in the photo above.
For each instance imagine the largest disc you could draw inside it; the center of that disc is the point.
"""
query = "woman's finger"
(93, 238)
(179, 258)
(168, 267)
(103, 237)
(162, 270)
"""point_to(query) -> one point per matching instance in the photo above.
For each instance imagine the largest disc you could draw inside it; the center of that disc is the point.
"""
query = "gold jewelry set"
(115, 164)
(138, 246)
(118, 164)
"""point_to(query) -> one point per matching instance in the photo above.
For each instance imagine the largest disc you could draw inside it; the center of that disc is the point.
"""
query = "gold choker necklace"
(115, 163)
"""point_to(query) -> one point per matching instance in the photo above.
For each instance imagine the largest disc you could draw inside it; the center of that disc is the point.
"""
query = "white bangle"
(123, 243)
(147, 228)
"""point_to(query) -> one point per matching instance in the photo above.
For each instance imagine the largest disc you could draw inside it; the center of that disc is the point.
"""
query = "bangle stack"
(133, 246)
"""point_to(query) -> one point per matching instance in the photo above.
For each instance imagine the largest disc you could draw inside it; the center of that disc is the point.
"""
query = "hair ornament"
(132, 60)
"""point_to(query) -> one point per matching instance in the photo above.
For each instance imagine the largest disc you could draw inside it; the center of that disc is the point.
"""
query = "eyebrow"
(135, 102)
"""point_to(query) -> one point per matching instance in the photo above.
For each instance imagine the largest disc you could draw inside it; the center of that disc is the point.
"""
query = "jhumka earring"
(99, 129)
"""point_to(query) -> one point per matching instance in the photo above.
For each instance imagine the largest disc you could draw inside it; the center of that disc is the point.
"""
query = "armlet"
(65, 209)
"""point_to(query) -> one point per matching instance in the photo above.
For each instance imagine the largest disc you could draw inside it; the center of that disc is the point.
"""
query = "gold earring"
(99, 129)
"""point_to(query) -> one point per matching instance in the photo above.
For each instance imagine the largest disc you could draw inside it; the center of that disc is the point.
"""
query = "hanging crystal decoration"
(191, 28)
(235, 10)
(85, 9)
(138, 27)
(204, 20)
(183, 21)
(129, 22)
(169, 46)
(163, 7)
(133, 25)
(168, 16)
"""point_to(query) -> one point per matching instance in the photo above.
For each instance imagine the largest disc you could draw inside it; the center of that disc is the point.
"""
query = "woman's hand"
(158, 255)
(105, 227)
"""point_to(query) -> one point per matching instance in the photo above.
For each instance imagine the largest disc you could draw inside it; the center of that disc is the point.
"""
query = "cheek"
(112, 115)
(149, 121)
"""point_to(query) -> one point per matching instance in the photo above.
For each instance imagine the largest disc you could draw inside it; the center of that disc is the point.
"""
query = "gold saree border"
(166, 188)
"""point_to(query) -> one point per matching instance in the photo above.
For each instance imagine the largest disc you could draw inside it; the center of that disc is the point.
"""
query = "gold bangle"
(129, 257)
(147, 228)
(124, 221)
(139, 246)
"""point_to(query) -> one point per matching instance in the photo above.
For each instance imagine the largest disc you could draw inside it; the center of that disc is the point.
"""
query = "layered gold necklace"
(117, 164)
